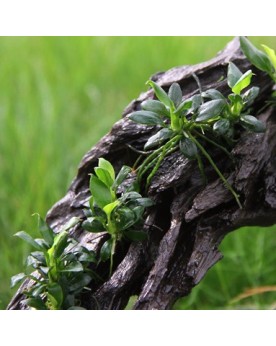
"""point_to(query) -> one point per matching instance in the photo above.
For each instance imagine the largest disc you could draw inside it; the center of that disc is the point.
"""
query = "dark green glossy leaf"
(213, 94)
(106, 250)
(160, 94)
(104, 176)
(233, 74)
(71, 223)
(184, 106)
(76, 308)
(38, 256)
(125, 217)
(36, 303)
(155, 107)
(130, 195)
(175, 94)
(100, 192)
(55, 295)
(146, 118)
(136, 235)
(188, 148)
(197, 101)
(252, 124)
(104, 164)
(93, 225)
(243, 82)
(73, 267)
(17, 278)
(157, 139)
(210, 109)
(221, 126)
(138, 212)
(250, 95)
(28, 239)
(80, 282)
(256, 56)
(121, 176)
(145, 202)
(88, 256)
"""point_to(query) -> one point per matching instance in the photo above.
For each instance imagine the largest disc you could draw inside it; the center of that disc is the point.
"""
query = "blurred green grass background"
(58, 97)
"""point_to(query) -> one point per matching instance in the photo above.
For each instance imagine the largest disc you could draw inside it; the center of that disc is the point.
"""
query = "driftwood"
(189, 220)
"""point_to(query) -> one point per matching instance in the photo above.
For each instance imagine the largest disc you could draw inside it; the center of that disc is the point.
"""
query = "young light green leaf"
(60, 243)
(25, 236)
(252, 124)
(104, 176)
(160, 94)
(271, 54)
(121, 176)
(255, 56)
(104, 164)
(17, 278)
(175, 94)
(100, 192)
(243, 82)
(110, 207)
(188, 148)
(250, 95)
(233, 74)
(213, 94)
(157, 139)
(146, 118)
(106, 250)
(136, 235)
(221, 126)
(210, 109)
(94, 226)
(155, 107)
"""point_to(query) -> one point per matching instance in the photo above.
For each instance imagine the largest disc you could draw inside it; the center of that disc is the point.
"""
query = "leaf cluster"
(59, 268)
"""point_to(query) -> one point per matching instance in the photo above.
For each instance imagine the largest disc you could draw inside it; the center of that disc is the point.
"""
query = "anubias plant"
(61, 269)
(118, 214)
(188, 124)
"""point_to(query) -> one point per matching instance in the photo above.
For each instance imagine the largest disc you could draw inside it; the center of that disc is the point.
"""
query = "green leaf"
(106, 250)
(252, 124)
(55, 295)
(121, 176)
(160, 94)
(157, 139)
(80, 282)
(104, 164)
(93, 225)
(175, 94)
(221, 126)
(110, 207)
(136, 235)
(145, 202)
(210, 109)
(250, 95)
(76, 308)
(236, 105)
(36, 303)
(146, 118)
(45, 231)
(60, 243)
(17, 278)
(243, 82)
(155, 107)
(233, 74)
(38, 257)
(100, 192)
(104, 176)
(184, 106)
(255, 56)
(213, 94)
(71, 223)
(188, 148)
(271, 54)
(197, 100)
(73, 267)
(125, 217)
(28, 239)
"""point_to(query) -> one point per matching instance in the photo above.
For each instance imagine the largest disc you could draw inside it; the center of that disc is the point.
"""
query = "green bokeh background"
(58, 97)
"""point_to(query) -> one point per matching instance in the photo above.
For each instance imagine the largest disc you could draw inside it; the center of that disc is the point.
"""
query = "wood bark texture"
(189, 219)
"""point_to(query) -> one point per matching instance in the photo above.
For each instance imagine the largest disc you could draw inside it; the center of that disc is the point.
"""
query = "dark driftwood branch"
(189, 220)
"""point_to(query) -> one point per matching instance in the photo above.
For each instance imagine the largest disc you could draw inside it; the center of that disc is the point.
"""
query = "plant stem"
(114, 240)
(204, 152)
